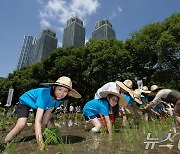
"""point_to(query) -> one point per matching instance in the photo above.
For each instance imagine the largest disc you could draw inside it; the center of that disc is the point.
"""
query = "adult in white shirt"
(168, 96)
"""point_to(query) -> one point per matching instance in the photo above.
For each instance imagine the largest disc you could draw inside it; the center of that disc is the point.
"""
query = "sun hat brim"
(145, 91)
(123, 86)
(122, 101)
(72, 92)
(157, 89)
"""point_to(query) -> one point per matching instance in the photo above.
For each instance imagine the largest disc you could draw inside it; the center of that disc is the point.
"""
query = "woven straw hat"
(126, 85)
(145, 90)
(155, 87)
(65, 82)
(122, 101)
(136, 96)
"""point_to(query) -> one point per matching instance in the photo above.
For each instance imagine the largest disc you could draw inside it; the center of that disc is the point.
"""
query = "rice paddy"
(69, 134)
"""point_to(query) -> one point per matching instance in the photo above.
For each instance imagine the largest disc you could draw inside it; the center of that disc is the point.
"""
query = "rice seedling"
(51, 136)
(10, 148)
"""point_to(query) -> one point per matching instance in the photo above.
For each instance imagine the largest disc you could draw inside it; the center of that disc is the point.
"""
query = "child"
(114, 111)
(95, 107)
(126, 89)
(43, 100)
(145, 101)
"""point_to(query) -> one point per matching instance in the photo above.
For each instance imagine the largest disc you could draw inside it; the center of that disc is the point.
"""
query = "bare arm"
(156, 113)
(109, 126)
(38, 131)
(46, 118)
(149, 106)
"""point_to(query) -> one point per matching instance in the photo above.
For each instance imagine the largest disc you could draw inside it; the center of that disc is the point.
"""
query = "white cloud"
(45, 24)
(115, 13)
(59, 11)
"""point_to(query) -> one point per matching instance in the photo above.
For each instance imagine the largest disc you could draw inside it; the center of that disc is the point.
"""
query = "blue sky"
(29, 17)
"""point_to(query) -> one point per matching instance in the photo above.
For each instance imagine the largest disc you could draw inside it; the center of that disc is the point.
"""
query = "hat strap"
(126, 86)
(62, 84)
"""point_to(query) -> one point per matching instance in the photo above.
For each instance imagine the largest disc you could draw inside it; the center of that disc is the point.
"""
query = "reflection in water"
(70, 139)
(75, 131)
(94, 142)
(70, 123)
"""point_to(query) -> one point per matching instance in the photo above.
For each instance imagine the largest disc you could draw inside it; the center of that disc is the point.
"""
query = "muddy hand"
(41, 146)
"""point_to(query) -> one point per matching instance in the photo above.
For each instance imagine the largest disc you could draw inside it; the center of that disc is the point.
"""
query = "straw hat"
(136, 96)
(145, 90)
(154, 88)
(65, 82)
(126, 85)
(122, 101)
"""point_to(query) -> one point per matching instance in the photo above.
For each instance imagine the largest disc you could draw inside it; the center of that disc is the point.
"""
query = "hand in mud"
(41, 146)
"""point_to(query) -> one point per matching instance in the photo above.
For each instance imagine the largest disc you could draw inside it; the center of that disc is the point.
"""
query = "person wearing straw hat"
(135, 110)
(144, 98)
(43, 101)
(95, 107)
(127, 92)
(114, 111)
(168, 96)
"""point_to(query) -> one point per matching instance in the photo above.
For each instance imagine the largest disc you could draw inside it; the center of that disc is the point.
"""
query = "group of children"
(112, 100)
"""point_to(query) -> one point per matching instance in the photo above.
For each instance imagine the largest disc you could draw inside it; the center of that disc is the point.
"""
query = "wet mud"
(76, 139)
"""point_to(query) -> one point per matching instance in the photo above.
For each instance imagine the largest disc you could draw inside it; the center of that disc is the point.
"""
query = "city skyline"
(25, 17)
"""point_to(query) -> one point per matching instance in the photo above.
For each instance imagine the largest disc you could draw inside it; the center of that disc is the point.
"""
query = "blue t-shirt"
(95, 107)
(144, 100)
(159, 107)
(129, 99)
(39, 98)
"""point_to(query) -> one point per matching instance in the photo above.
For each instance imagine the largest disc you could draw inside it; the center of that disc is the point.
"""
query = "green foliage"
(52, 136)
(154, 51)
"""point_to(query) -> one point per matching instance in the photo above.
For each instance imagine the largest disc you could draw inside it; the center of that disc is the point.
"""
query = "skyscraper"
(26, 50)
(74, 33)
(103, 29)
(45, 44)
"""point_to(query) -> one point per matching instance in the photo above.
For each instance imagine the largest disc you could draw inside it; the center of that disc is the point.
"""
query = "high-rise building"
(74, 33)
(45, 44)
(103, 29)
(26, 51)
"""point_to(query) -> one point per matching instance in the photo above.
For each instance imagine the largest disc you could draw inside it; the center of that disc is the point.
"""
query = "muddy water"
(78, 140)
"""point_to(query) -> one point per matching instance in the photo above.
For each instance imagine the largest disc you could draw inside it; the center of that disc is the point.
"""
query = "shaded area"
(2, 147)
(71, 139)
(28, 138)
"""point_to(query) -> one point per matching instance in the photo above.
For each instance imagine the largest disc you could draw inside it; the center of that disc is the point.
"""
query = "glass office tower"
(46, 43)
(26, 51)
(74, 33)
(103, 30)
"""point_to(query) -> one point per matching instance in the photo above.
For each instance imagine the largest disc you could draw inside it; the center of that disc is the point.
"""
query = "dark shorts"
(22, 111)
(177, 109)
(87, 118)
